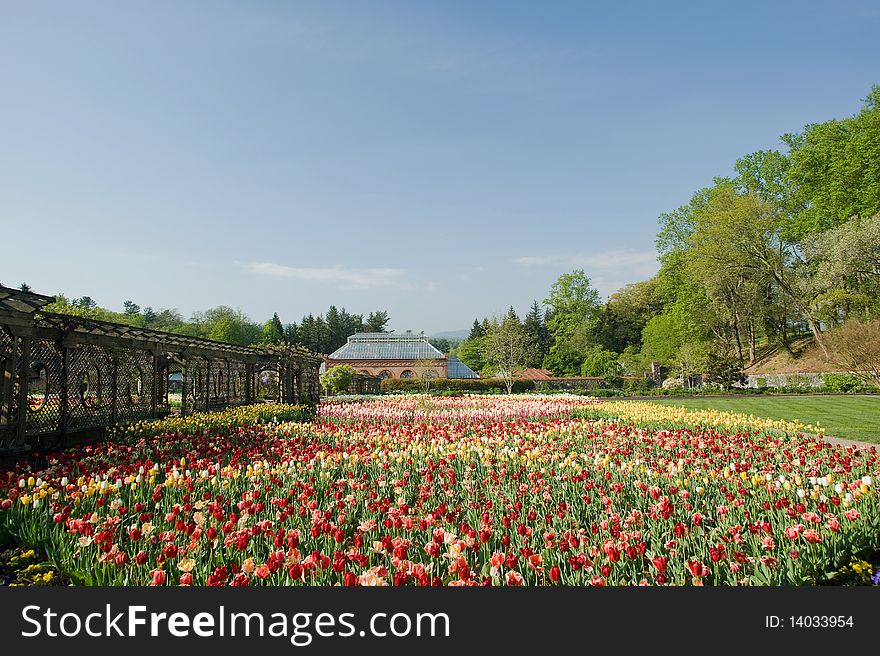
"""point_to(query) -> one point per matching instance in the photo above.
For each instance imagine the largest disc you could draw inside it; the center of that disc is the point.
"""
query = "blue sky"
(440, 160)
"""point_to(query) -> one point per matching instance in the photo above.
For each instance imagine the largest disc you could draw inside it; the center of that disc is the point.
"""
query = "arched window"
(385, 374)
(406, 373)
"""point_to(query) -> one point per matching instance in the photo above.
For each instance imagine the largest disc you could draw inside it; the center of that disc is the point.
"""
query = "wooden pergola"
(63, 378)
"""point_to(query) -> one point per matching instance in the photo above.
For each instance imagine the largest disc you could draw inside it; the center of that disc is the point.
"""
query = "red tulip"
(158, 577)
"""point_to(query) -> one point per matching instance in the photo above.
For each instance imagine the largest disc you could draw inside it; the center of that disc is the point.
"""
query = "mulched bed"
(20, 567)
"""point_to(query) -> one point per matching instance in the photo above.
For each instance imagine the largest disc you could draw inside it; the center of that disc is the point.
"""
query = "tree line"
(322, 333)
(786, 249)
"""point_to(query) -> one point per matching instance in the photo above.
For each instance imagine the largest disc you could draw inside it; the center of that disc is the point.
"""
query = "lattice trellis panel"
(134, 378)
(9, 358)
(61, 375)
(169, 390)
(218, 385)
(45, 387)
(238, 383)
(90, 392)
(196, 385)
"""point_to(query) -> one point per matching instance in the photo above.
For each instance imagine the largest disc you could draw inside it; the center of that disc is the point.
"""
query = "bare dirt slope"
(810, 359)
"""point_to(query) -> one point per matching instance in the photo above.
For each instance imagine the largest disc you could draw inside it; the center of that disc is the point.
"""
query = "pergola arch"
(63, 378)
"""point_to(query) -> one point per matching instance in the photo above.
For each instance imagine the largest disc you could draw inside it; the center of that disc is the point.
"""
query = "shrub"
(843, 383)
(637, 385)
(338, 379)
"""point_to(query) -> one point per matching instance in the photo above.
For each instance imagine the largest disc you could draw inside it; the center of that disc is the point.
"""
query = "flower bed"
(670, 416)
(451, 491)
(228, 418)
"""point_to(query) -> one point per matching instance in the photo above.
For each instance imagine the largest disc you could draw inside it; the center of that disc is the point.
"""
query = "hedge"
(495, 385)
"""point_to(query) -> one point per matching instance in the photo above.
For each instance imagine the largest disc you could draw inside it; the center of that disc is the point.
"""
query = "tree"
(376, 322)
(573, 310)
(507, 348)
(441, 344)
(537, 332)
(426, 370)
(24, 287)
(130, 308)
(723, 368)
(742, 234)
(600, 362)
(834, 173)
(291, 333)
(625, 315)
(856, 346)
(223, 324)
(634, 362)
(564, 361)
(763, 173)
(470, 351)
(273, 331)
(164, 319)
(692, 358)
(314, 334)
(844, 269)
(614, 332)
(150, 317)
(338, 379)
(476, 330)
(86, 303)
(573, 302)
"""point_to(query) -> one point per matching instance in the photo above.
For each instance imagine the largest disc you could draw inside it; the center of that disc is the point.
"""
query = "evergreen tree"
(376, 322)
(273, 331)
(537, 331)
(291, 334)
(150, 318)
(276, 322)
(476, 330)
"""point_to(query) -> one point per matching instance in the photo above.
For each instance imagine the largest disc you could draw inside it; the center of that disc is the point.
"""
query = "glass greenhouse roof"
(458, 369)
(386, 346)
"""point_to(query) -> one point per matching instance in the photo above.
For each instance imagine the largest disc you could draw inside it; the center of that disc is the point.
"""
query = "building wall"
(395, 368)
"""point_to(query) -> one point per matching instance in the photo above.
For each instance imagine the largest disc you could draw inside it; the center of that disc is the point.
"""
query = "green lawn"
(853, 417)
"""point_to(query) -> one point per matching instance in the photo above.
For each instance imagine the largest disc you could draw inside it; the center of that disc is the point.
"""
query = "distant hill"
(452, 334)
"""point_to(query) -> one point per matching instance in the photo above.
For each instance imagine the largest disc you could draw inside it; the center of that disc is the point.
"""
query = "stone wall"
(761, 380)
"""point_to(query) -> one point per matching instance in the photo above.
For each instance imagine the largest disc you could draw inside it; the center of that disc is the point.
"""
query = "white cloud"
(338, 275)
(468, 274)
(605, 261)
(608, 270)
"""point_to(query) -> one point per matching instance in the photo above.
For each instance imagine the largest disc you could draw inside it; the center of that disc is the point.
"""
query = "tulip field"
(472, 490)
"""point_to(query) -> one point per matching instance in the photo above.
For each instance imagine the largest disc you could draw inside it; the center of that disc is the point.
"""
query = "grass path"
(849, 417)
